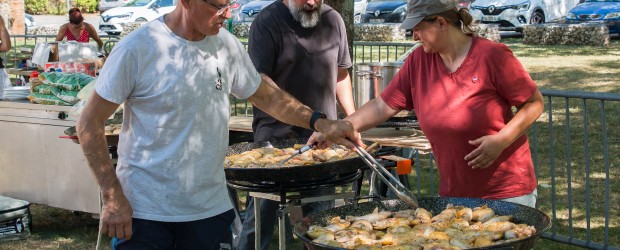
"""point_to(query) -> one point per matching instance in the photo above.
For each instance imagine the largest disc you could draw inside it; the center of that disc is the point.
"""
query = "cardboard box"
(89, 68)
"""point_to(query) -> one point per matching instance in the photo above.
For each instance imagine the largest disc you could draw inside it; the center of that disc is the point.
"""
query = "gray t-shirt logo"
(218, 82)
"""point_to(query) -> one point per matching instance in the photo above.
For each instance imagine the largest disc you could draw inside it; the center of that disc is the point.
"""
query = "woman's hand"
(489, 148)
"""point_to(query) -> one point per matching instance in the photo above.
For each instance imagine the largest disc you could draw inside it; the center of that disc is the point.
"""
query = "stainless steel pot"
(371, 79)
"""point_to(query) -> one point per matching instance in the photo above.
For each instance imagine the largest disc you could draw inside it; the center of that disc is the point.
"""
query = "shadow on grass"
(576, 79)
(541, 51)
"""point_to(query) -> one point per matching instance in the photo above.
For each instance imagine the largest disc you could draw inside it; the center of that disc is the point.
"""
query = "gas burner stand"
(279, 191)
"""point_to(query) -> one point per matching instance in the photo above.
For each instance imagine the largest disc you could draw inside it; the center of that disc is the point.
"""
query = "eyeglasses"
(221, 9)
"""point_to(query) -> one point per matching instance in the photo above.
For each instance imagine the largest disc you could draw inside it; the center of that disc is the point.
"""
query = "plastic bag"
(87, 90)
(66, 81)
(46, 99)
(44, 89)
(67, 96)
(77, 108)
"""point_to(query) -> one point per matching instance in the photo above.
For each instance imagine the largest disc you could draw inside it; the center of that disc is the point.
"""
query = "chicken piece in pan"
(482, 214)
(362, 224)
(375, 216)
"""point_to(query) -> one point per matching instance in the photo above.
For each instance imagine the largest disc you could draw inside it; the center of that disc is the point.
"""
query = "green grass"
(574, 68)
(577, 68)
(55, 228)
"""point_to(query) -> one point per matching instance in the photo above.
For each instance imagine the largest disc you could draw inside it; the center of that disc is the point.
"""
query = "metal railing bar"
(569, 169)
(581, 95)
(587, 159)
(606, 159)
(535, 151)
(417, 170)
(16, 45)
(552, 167)
(432, 188)
(577, 242)
(363, 53)
(360, 43)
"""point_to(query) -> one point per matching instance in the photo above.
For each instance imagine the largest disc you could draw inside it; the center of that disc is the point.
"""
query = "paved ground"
(60, 20)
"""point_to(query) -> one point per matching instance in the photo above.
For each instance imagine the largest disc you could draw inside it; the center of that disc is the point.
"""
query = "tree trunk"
(345, 8)
(5, 12)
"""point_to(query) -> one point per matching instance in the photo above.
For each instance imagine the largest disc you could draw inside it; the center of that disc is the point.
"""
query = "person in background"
(168, 190)
(302, 45)
(78, 30)
(463, 89)
(5, 45)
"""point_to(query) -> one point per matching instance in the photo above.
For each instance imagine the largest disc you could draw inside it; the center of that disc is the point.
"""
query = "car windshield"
(603, 1)
(137, 3)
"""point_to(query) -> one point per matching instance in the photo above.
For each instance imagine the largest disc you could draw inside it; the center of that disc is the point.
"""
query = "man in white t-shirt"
(175, 75)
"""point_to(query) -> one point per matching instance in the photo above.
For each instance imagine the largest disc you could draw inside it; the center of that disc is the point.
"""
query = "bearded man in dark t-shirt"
(302, 45)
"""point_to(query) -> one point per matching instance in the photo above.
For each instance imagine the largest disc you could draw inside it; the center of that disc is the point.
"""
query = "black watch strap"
(315, 116)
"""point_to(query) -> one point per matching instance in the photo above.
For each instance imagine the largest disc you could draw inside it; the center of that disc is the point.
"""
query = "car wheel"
(141, 20)
(357, 18)
(537, 18)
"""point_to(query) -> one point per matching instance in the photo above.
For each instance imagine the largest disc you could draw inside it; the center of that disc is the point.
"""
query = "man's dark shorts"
(211, 233)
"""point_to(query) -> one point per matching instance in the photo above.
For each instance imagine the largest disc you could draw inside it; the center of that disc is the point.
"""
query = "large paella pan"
(520, 214)
(320, 170)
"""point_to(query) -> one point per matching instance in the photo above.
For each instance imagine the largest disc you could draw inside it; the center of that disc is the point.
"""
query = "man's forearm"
(281, 105)
(95, 148)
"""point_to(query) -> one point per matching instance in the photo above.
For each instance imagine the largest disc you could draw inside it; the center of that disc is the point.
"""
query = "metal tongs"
(300, 151)
(394, 184)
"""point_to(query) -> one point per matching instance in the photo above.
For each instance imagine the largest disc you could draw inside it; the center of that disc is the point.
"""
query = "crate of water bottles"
(85, 67)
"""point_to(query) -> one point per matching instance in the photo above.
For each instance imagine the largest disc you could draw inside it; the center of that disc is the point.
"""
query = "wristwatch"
(315, 116)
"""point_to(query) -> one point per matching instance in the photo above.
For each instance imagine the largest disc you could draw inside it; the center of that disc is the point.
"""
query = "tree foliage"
(36, 7)
(86, 6)
(58, 7)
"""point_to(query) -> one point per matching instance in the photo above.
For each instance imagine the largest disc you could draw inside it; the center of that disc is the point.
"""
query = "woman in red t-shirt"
(78, 30)
(463, 89)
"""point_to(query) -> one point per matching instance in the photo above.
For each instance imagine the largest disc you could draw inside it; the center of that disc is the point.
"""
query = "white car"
(109, 4)
(513, 14)
(359, 7)
(135, 11)
(29, 20)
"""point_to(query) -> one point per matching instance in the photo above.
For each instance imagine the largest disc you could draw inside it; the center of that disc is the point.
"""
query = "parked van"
(134, 11)
(513, 14)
